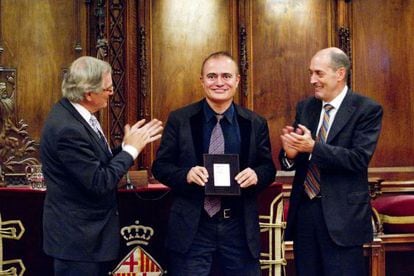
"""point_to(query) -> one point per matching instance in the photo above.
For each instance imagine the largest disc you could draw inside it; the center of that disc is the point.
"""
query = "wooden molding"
(142, 62)
(244, 63)
(344, 37)
(78, 46)
(116, 57)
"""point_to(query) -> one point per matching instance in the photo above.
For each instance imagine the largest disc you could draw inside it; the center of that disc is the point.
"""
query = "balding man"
(330, 145)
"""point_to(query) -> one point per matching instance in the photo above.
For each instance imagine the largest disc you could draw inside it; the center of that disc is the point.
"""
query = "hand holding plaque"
(222, 169)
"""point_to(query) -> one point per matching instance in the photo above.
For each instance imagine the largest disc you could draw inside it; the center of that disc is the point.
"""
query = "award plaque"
(222, 169)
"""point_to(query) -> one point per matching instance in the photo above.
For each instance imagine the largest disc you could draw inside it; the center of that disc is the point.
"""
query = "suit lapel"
(342, 116)
(311, 119)
(245, 127)
(67, 105)
(196, 123)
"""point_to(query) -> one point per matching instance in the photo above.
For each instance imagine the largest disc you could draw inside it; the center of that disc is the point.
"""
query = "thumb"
(127, 129)
(304, 129)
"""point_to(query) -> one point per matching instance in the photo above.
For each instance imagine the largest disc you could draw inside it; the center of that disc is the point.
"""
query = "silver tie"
(212, 204)
(97, 128)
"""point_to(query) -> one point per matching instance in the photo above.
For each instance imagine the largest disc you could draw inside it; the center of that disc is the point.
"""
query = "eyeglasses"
(109, 89)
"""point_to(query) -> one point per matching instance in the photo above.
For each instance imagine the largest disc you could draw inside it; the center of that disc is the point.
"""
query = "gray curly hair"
(85, 75)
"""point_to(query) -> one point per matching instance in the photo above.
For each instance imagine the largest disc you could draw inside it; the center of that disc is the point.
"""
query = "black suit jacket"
(80, 217)
(182, 148)
(343, 163)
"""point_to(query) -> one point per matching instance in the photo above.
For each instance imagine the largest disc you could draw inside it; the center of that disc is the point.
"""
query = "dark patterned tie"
(97, 128)
(312, 180)
(212, 204)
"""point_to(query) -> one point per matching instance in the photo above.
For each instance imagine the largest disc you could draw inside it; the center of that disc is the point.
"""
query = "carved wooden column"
(244, 62)
(143, 80)
(344, 31)
(107, 35)
(245, 52)
(77, 24)
(116, 57)
(119, 35)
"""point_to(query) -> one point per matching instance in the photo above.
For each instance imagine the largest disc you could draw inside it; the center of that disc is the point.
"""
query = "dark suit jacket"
(343, 163)
(182, 148)
(80, 217)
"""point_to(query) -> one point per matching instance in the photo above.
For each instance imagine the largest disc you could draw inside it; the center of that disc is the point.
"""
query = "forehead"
(320, 63)
(221, 64)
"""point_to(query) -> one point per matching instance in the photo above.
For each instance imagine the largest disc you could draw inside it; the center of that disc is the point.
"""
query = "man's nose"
(220, 80)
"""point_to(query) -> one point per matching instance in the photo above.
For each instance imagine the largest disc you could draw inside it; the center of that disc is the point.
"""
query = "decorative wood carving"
(345, 44)
(142, 61)
(117, 106)
(143, 111)
(101, 48)
(345, 40)
(244, 63)
(101, 41)
(17, 148)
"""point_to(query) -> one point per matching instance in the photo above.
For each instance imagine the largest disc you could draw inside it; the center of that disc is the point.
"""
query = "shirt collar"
(209, 113)
(82, 111)
(336, 103)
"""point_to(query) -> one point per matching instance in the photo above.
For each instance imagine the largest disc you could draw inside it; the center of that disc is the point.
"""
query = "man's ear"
(87, 96)
(238, 80)
(341, 72)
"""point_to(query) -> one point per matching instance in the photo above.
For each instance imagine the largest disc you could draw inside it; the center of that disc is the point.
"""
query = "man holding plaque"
(221, 148)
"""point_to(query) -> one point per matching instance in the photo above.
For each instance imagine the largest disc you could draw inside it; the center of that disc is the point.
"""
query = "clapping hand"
(140, 134)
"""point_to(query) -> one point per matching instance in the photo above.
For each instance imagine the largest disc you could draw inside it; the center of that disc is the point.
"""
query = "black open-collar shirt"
(229, 126)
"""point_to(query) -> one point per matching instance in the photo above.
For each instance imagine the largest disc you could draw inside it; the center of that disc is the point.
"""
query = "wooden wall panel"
(171, 38)
(39, 39)
(285, 35)
(382, 69)
(183, 33)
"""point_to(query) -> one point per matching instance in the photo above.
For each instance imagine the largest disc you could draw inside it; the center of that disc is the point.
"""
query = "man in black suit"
(80, 217)
(330, 145)
(232, 233)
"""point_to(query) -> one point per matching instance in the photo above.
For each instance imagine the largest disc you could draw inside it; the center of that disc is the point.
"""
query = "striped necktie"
(96, 126)
(312, 180)
(212, 204)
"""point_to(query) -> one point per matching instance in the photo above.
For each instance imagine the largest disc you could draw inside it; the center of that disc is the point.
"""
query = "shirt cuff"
(288, 163)
(131, 150)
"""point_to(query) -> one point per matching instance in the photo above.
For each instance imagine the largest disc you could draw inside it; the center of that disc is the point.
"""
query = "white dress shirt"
(87, 115)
